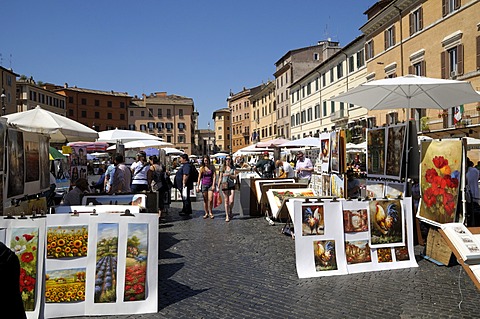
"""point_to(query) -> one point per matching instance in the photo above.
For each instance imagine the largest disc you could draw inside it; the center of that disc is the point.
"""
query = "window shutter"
(444, 7)
(385, 38)
(373, 48)
(443, 56)
(420, 18)
(457, 4)
(393, 36)
(478, 53)
(411, 69)
(410, 17)
(460, 59)
(423, 68)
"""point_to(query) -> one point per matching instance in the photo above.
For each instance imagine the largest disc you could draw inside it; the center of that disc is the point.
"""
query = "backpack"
(159, 179)
(193, 176)
(268, 169)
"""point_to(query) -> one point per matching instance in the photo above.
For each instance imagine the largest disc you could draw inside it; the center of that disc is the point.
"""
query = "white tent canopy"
(112, 136)
(172, 151)
(142, 144)
(60, 128)
(303, 142)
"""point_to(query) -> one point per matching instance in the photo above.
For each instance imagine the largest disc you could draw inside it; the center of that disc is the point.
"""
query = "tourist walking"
(265, 167)
(122, 177)
(159, 182)
(206, 184)
(184, 183)
(227, 185)
(304, 168)
(141, 174)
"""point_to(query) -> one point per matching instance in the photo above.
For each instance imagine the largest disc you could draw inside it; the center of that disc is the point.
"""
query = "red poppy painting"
(440, 179)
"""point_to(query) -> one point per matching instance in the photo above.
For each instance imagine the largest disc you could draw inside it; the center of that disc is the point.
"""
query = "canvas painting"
(326, 189)
(384, 255)
(386, 223)
(313, 220)
(65, 285)
(67, 242)
(44, 162)
(325, 151)
(375, 189)
(136, 262)
(355, 220)
(338, 186)
(324, 255)
(106, 263)
(121, 199)
(440, 180)
(394, 190)
(16, 170)
(3, 130)
(277, 196)
(335, 152)
(357, 252)
(376, 152)
(32, 161)
(396, 136)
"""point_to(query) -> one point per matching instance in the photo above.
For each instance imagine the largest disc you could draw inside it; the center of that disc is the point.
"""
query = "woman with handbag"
(227, 179)
(206, 184)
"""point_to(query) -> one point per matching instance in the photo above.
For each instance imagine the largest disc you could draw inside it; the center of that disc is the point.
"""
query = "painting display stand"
(100, 262)
(469, 268)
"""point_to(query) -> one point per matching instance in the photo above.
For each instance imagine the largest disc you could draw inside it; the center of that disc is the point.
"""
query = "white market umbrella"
(272, 143)
(112, 136)
(410, 91)
(303, 142)
(172, 151)
(141, 144)
(252, 149)
(60, 128)
(355, 148)
(219, 155)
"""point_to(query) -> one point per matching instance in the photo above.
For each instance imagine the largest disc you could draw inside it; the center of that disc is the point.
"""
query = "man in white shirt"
(285, 169)
(304, 167)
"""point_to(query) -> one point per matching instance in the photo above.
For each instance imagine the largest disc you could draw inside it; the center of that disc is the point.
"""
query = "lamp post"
(3, 96)
(208, 144)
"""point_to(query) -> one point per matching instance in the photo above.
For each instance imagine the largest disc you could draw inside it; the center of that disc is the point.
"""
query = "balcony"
(340, 115)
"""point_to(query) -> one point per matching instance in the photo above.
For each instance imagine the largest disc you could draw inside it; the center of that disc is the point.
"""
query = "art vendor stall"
(100, 261)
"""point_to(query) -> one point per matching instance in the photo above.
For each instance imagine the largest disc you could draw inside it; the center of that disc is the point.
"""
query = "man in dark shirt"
(184, 184)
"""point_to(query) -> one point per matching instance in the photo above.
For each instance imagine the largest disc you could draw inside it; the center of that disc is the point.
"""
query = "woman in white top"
(141, 174)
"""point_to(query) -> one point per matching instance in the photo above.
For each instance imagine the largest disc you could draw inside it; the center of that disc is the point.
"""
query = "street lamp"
(208, 144)
(3, 96)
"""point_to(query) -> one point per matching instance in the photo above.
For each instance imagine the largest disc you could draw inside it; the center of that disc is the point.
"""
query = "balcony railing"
(339, 115)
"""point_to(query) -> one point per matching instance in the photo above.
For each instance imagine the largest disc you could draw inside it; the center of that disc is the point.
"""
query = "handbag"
(224, 186)
(217, 199)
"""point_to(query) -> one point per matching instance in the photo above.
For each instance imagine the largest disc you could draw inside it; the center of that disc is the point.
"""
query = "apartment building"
(288, 69)
(171, 117)
(204, 139)
(312, 112)
(239, 106)
(8, 90)
(433, 38)
(100, 110)
(29, 95)
(222, 123)
(263, 116)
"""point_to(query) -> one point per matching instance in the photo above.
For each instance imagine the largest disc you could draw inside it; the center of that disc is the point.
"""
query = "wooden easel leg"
(419, 233)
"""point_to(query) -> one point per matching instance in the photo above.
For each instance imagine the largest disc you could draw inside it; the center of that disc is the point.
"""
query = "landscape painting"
(376, 152)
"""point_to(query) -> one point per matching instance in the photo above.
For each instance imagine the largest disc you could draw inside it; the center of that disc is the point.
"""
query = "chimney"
(161, 94)
(65, 85)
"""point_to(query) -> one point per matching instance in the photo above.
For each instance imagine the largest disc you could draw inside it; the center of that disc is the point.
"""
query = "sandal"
(212, 216)
(227, 220)
(205, 216)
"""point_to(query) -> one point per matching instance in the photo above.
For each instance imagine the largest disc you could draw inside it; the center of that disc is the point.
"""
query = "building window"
(169, 139)
(309, 114)
(324, 108)
(351, 64)
(309, 88)
(452, 62)
(109, 103)
(181, 138)
(317, 84)
(332, 77)
(448, 6)
(97, 115)
(160, 126)
(316, 57)
(181, 126)
(70, 112)
(84, 102)
(360, 58)
(122, 116)
(339, 70)
(84, 114)
(369, 50)
(416, 21)
(292, 120)
(131, 113)
(122, 105)
(109, 116)
(159, 113)
(303, 117)
(97, 103)
(169, 126)
(143, 127)
(317, 111)
(324, 80)
(131, 127)
(180, 113)
(150, 112)
(169, 113)
(389, 37)
(332, 107)
(70, 99)
(151, 126)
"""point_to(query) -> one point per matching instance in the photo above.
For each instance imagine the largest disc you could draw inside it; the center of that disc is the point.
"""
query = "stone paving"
(246, 269)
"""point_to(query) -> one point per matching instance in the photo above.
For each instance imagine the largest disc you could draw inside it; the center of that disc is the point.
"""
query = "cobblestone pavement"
(246, 269)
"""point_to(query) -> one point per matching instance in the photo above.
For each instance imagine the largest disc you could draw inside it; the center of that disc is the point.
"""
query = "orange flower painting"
(440, 179)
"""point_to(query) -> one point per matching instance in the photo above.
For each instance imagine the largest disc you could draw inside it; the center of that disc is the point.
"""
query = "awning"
(55, 154)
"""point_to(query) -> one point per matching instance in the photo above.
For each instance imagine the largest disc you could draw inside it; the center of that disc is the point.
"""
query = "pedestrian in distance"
(304, 168)
(141, 174)
(227, 180)
(159, 182)
(206, 184)
(74, 197)
(122, 177)
(285, 170)
(265, 167)
(184, 183)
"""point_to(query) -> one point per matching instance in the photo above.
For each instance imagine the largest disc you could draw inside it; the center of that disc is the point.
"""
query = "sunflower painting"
(440, 177)
(67, 242)
(65, 285)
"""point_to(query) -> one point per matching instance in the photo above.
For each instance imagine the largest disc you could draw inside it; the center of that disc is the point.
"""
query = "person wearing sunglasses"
(227, 178)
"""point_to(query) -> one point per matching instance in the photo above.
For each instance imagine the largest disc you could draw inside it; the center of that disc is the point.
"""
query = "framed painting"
(396, 136)
(325, 151)
(387, 227)
(376, 152)
(16, 164)
(335, 152)
(440, 180)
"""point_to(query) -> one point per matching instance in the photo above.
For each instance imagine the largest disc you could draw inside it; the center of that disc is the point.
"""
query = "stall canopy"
(303, 142)
(112, 136)
(272, 143)
(90, 146)
(55, 154)
(60, 128)
(410, 91)
(142, 144)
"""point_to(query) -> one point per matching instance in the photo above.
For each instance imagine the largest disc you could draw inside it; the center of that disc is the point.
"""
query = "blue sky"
(198, 49)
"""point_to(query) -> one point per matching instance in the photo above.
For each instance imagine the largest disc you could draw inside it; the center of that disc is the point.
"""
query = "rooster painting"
(313, 220)
(386, 222)
(324, 252)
